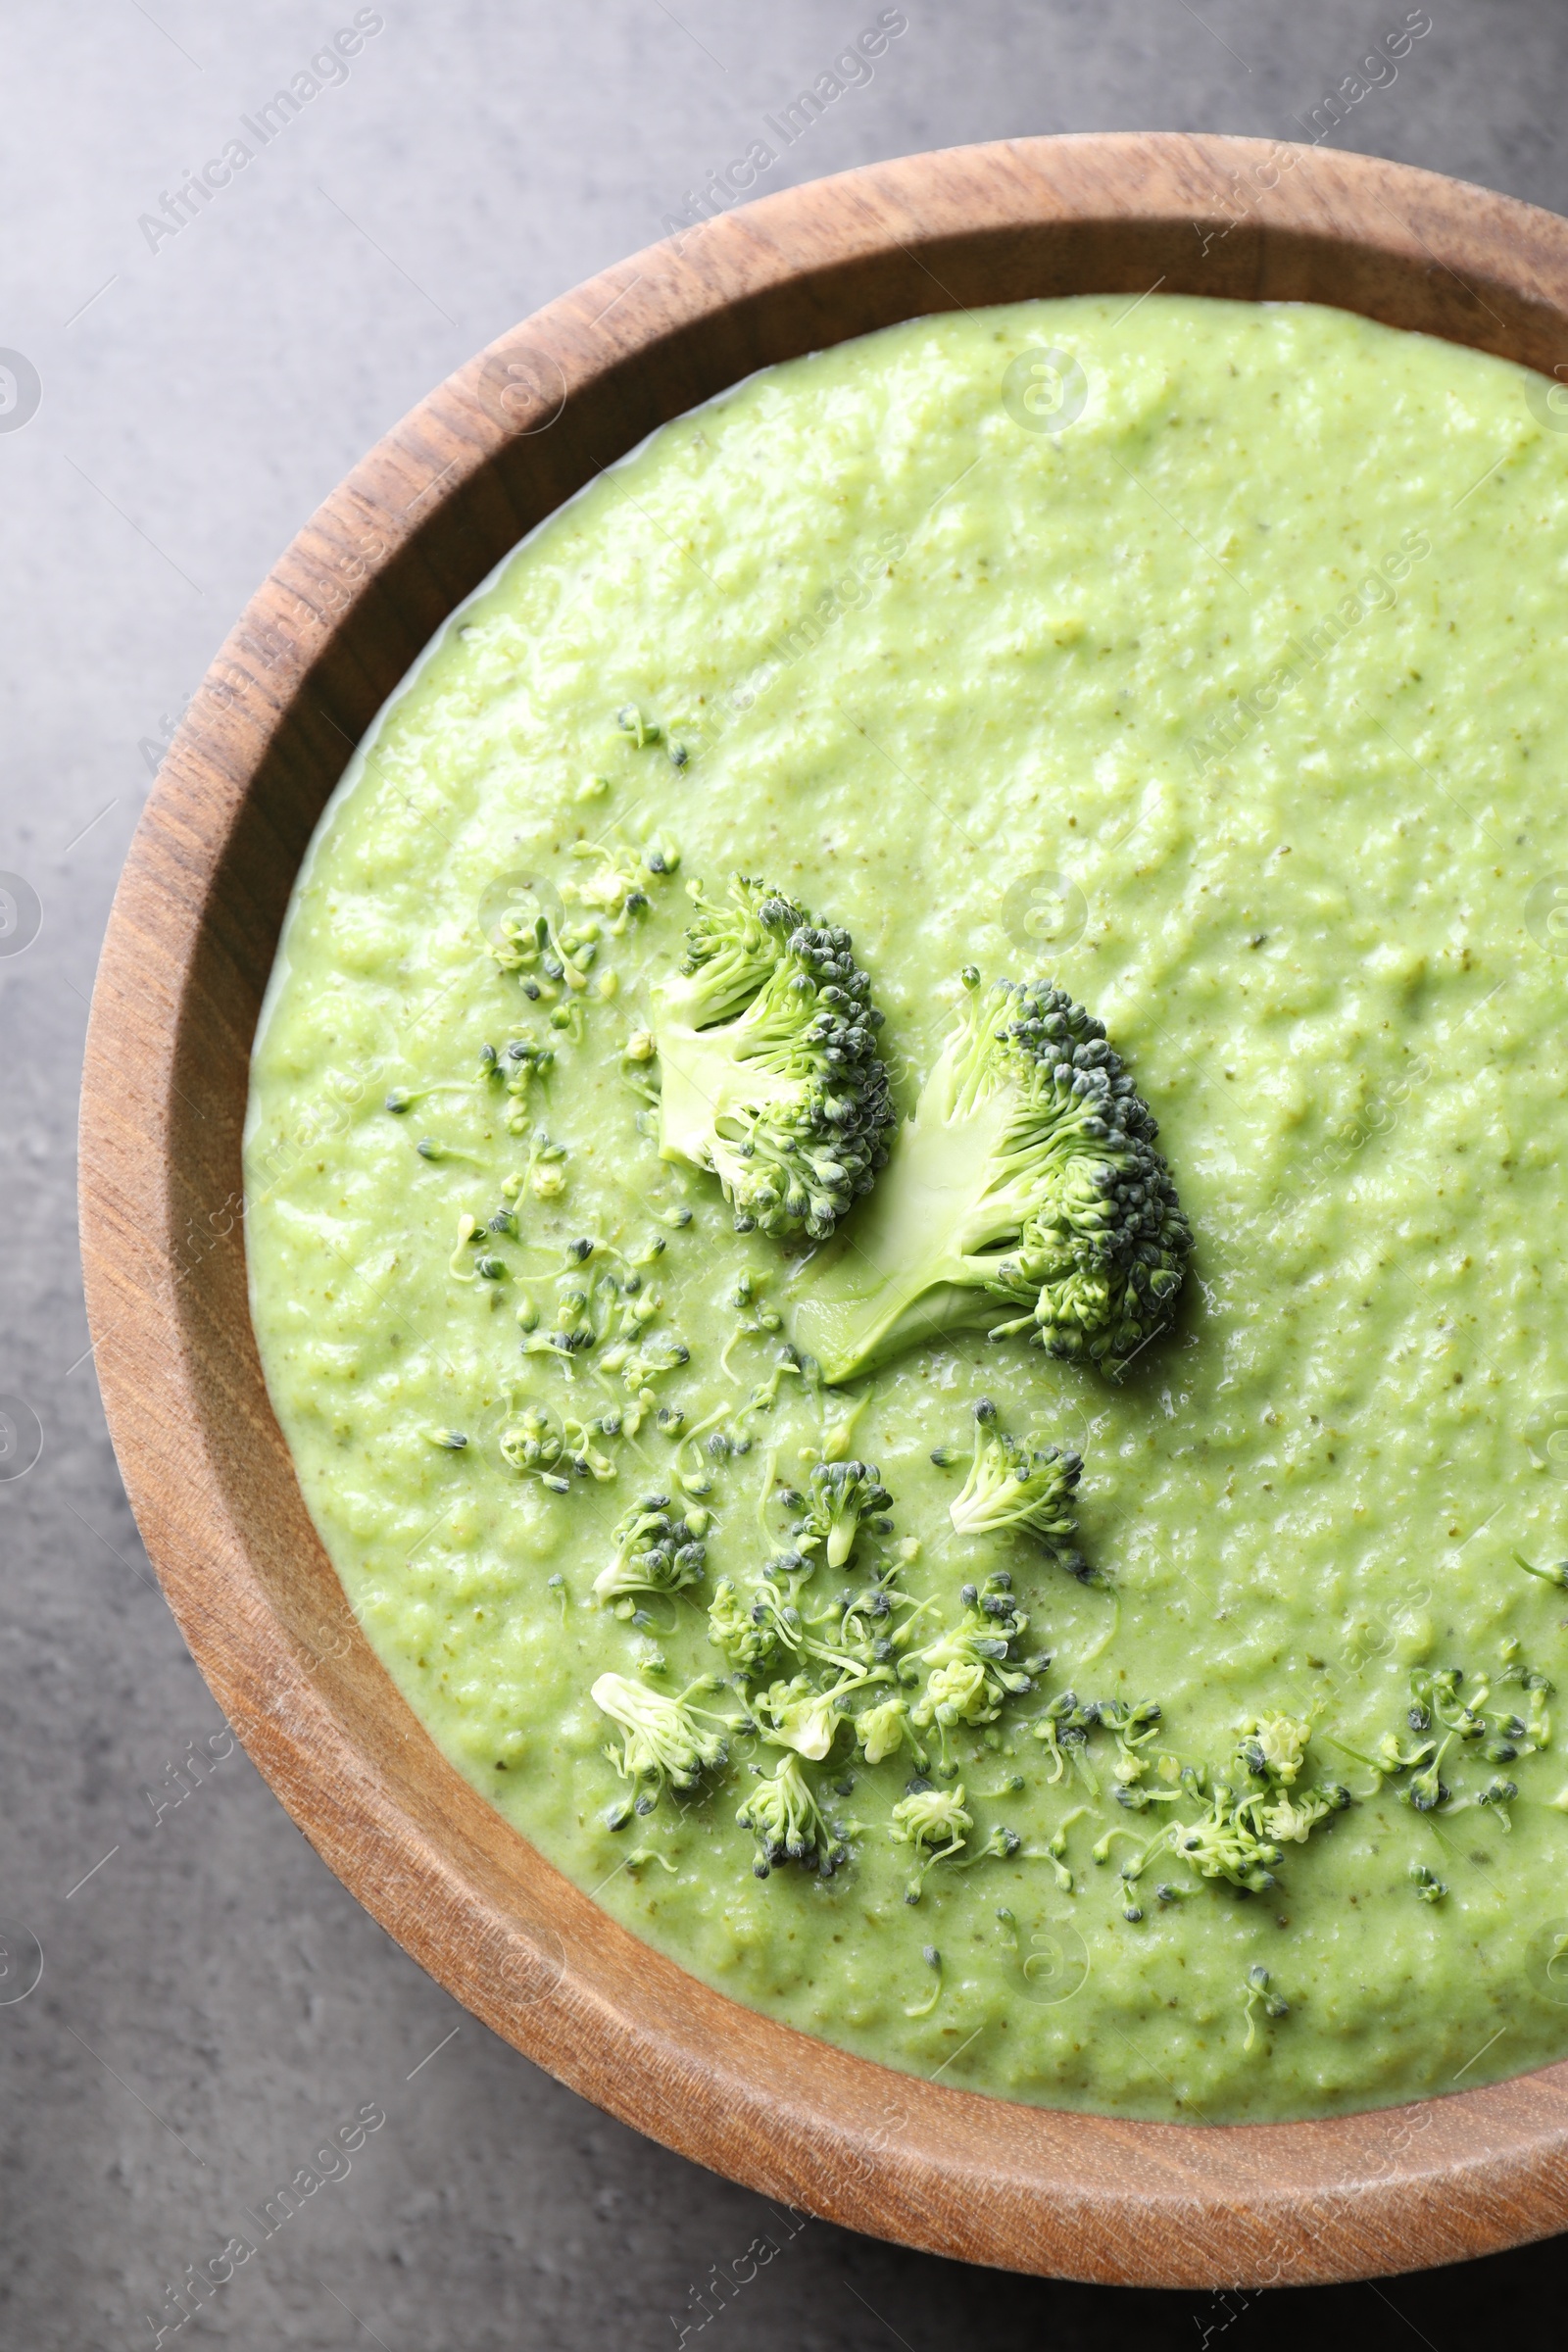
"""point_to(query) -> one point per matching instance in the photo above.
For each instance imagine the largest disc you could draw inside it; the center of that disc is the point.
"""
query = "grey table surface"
(212, 2003)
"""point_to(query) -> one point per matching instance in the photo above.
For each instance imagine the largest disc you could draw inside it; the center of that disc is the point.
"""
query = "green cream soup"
(1212, 666)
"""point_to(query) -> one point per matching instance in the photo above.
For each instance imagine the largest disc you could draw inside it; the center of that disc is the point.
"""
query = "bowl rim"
(905, 2157)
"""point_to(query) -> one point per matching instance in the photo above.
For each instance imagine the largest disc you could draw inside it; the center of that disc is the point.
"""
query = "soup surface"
(1207, 658)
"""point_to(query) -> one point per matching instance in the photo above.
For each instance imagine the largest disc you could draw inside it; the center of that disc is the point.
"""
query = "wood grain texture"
(190, 943)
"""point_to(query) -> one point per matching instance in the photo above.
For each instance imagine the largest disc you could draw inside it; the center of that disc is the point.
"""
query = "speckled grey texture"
(212, 2004)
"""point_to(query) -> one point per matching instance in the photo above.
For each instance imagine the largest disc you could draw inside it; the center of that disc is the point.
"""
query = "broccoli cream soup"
(905, 1190)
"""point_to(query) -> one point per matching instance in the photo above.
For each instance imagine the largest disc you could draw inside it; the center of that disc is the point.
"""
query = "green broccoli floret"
(1273, 1747)
(663, 1743)
(842, 1494)
(1290, 1820)
(934, 1821)
(787, 1822)
(1011, 1485)
(1228, 1843)
(795, 1714)
(971, 1677)
(882, 1730)
(654, 1552)
(1027, 1176)
(770, 1075)
(753, 1633)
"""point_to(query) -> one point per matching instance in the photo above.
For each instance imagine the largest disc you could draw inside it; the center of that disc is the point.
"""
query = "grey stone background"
(212, 2002)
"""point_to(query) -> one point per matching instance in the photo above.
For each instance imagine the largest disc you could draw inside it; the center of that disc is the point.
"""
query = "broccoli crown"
(1016, 1486)
(767, 1056)
(1027, 1175)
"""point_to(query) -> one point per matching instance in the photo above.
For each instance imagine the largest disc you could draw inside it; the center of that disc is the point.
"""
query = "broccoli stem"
(706, 1082)
(905, 1272)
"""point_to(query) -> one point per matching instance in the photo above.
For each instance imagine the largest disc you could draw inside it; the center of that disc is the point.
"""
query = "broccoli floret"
(1556, 1574)
(754, 1633)
(842, 1494)
(971, 1679)
(1027, 1176)
(535, 1443)
(932, 1821)
(787, 1822)
(1273, 1747)
(1227, 1844)
(1290, 1820)
(662, 1742)
(654, 1552)
(770, 1075)
(1255, 1995)
(883, 1729)
(795, 1714)
(1011, 1485)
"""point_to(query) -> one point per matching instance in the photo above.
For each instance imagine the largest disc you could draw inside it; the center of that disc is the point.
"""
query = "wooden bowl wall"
(190, 943)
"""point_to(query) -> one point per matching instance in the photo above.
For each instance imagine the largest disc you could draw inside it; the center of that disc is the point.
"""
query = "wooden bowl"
(190, 943)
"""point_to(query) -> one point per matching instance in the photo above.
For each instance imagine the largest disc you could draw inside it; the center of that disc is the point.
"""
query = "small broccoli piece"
(1027, 1179)
(1273, 1747)
(1290, 1820)
(932, 1821)
(1429, 1887)
(535, 1443)
(654, 1552)
(795, 1714)
(787, 1822)
(842, 1494)
(1132, 1726)
(616, 889)
(883, 1729)
(1016, 1485)
(663, 1743)
(970, 1677)
(770, 1076)
(1426, 1791)
(752, 1633)
(1255, 1995)
(1063, 1729)
(523, 1061)
(1226, 1845)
